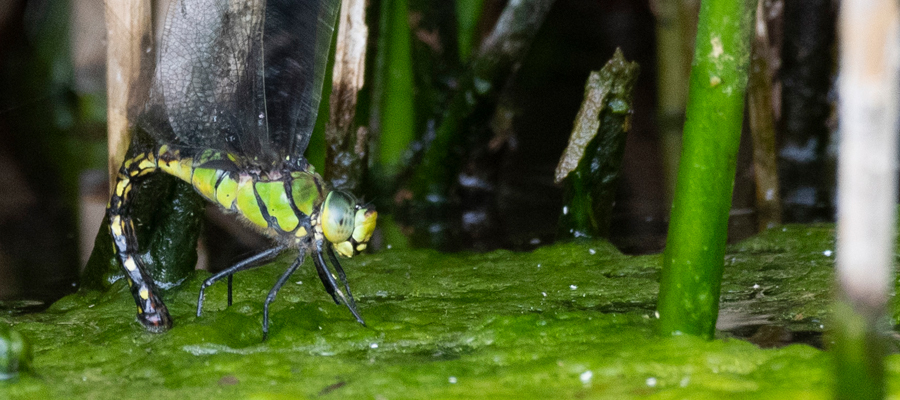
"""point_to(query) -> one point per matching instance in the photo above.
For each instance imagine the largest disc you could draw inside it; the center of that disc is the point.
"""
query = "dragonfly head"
(346, 223)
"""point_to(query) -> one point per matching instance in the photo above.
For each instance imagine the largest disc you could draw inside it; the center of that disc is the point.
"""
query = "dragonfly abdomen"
(277, 202)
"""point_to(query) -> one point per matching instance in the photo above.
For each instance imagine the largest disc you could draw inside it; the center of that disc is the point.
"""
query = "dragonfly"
(231, 108)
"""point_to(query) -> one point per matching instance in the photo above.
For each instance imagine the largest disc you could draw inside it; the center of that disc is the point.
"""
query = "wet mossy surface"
(571, 320)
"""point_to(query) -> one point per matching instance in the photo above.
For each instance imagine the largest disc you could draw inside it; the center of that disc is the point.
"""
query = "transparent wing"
(297, 42)
(242, 76)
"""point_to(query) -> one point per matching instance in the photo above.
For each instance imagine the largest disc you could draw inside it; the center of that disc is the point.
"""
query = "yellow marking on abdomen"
(120, 187)
(181, 168)
(116, 226)
(147, 164)
(130, 264)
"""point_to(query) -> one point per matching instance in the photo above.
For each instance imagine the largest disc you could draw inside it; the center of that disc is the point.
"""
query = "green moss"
(570, 320)
(786, 274)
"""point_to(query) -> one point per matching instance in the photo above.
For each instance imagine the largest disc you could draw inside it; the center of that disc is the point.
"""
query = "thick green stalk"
(693, 260)
(397, 103)
(467, 14)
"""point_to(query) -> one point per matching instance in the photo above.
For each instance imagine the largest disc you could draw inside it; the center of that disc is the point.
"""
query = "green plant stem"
(693, 259)
(858, 351)
(397, 101)
(467, 14)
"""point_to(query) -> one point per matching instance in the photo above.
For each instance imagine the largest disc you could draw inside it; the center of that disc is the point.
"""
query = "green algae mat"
(571, 320)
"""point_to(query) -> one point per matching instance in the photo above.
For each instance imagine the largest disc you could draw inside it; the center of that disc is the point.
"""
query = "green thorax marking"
(275, 201)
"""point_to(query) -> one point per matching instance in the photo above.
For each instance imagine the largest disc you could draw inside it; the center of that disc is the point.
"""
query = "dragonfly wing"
(208, 88)
(297, 43)
(241, 76)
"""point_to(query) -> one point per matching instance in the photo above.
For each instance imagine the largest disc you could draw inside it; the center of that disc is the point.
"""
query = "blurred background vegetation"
(497, 192)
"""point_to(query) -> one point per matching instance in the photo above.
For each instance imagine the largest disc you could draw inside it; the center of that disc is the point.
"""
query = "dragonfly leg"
(230, 287)
(326, 277)
(151, 311)
(272, 293)
(251, 262)
(331, 286)
(343, 276)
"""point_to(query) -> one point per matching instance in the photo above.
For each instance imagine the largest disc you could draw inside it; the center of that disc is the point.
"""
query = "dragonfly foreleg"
(342, 276)
(331, 286)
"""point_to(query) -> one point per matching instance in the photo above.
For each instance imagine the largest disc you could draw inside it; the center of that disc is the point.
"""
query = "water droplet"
(586, 377)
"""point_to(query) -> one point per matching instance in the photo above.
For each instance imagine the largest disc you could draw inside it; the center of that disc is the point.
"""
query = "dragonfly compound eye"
(338, 216)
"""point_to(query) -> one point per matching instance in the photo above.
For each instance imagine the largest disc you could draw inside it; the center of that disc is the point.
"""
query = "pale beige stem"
(867, 172)
(346, 144)
(127, 24)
